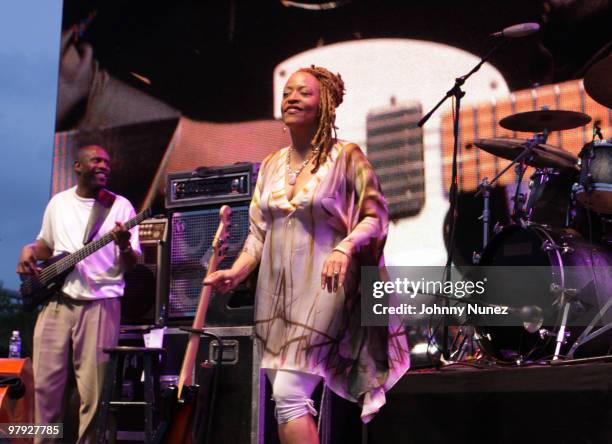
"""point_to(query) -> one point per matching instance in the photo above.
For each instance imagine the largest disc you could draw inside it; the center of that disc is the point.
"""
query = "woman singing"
(316, 217)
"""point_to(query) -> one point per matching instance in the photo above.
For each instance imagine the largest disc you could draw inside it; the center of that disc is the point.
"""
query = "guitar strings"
(65, 263)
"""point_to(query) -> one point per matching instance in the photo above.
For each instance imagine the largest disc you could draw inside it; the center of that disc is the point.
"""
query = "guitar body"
(182, 414)
(38, 288)
(34, 292)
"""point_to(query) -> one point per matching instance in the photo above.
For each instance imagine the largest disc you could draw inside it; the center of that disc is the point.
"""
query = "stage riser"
(541, 405)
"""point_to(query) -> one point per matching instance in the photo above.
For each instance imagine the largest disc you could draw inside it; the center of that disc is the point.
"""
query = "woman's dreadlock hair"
(332, 92)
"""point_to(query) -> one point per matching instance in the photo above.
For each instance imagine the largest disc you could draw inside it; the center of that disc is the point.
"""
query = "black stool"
(150, 361)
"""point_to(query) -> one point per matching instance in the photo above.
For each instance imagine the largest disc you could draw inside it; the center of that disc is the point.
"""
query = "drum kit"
(553, 228)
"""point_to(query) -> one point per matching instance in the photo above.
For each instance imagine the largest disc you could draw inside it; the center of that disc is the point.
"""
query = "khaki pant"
(72, 333)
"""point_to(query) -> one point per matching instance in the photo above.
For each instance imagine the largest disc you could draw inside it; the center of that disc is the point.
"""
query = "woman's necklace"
(293, 174)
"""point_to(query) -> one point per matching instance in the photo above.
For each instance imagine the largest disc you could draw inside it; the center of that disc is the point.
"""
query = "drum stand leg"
(561, 334)
(586, 335)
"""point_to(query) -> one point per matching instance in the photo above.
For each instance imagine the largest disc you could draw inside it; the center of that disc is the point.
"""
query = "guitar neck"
(71, 260)
(186, 375)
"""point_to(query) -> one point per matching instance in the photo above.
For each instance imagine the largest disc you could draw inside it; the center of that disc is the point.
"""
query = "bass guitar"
(37, 288)
(181, 426)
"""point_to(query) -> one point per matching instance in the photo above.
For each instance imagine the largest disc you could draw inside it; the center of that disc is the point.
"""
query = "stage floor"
(462, 404)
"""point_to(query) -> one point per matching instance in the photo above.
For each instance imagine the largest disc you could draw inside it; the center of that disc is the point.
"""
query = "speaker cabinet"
(146, 285)
(192, 233)
(237, 416)
(243, 412)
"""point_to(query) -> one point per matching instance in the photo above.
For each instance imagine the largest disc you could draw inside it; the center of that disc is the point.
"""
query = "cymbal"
(597, 82)
(542, 155)
(551, 120)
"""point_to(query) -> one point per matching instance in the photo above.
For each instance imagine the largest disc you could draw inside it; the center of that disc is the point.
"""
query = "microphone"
(516, 31)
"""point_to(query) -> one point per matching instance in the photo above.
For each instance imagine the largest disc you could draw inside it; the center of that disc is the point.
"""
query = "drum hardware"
(485, 217)
(519, 199)
(520, 161)
(528, 152)
(563, 301)
(485, 186)
(545, 333)
(556, 288)
(561, 337)
(497, 228)
(549, 245)
(463, 343)
(606, 236)
(586, 335)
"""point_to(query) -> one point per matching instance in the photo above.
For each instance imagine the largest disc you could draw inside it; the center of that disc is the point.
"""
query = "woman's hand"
(334, 271)
(223, 281)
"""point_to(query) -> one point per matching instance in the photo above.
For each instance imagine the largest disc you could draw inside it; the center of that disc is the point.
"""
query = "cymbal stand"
(485, 188)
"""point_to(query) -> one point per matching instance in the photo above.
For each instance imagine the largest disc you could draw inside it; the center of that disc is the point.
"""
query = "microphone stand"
(457, 93)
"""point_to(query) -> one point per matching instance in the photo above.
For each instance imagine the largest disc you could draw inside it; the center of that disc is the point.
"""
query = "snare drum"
(594, 187)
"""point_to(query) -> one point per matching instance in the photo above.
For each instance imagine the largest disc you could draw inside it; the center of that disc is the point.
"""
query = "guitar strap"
(101, 207)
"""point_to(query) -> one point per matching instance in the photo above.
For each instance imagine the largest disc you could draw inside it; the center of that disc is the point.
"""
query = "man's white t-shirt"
(99, 275)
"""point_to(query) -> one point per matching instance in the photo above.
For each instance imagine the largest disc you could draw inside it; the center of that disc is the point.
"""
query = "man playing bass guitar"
(78, 322)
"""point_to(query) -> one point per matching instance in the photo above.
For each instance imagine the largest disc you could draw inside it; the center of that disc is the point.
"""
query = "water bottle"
(15, 345)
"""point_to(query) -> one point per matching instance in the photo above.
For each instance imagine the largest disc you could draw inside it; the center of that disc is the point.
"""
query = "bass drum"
(567, 259)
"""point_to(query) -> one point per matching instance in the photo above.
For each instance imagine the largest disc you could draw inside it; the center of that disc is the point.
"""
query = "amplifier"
(146, 285)
(239, 413)
(192, 233)
(211, 185)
